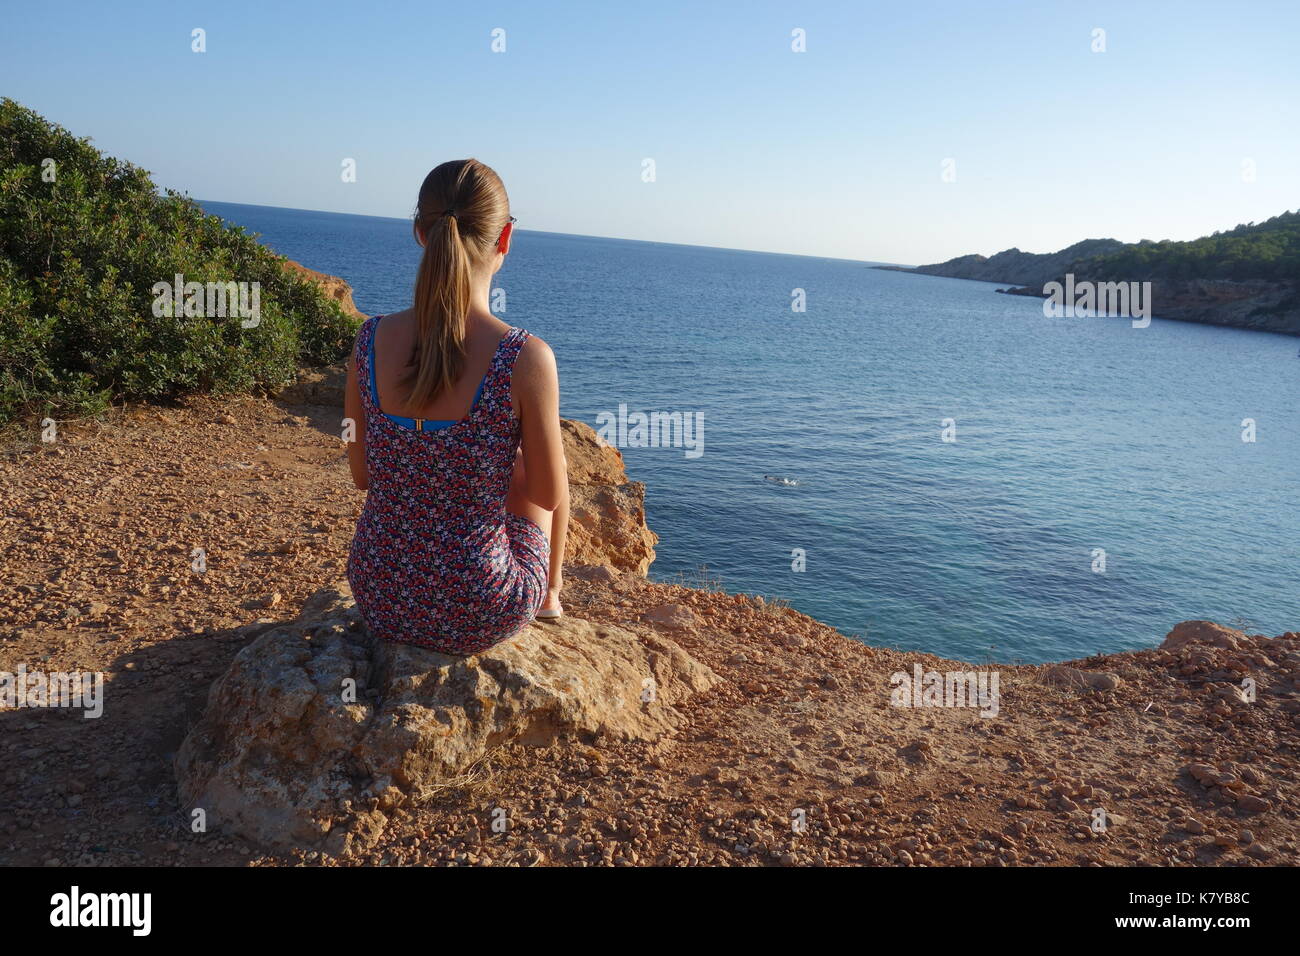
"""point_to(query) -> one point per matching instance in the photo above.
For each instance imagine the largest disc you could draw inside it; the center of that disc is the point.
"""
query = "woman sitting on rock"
(457, 441)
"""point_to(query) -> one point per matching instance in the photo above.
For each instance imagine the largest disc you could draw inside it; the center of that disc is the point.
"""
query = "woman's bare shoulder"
(535, 365)
(401, 323)
(535, 355)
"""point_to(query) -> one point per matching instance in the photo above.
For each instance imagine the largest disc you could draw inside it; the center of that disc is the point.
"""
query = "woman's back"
(437, 559)
(456, 440)
(394, 344)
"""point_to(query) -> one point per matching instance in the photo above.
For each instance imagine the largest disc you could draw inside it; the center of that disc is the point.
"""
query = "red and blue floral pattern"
(436, 559)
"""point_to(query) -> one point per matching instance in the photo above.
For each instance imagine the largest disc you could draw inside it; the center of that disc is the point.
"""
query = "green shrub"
(79, 257)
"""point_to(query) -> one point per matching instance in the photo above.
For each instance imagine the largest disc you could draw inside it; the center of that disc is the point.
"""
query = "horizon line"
(576, 235)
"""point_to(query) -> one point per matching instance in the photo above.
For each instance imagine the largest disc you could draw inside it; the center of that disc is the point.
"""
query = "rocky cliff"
(663, 724)
(658, 724)
(1258, 304)
(765, 710)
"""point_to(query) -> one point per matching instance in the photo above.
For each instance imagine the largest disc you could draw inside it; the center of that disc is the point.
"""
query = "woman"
(457, 441)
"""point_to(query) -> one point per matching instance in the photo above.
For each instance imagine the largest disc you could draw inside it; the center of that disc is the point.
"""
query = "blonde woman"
(461, 540)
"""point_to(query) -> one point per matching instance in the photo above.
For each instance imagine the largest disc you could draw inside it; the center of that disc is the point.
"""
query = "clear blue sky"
(835, 152)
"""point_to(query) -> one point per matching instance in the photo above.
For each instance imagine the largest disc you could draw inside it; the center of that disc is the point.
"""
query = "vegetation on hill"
(84, 240)
(1267, 250)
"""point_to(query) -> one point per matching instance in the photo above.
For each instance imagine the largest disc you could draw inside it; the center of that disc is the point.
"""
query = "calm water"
(1072, 435)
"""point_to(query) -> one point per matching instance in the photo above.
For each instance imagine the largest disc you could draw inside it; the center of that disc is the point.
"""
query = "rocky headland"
(1265, 305)
(1016, 267)
(658, 723)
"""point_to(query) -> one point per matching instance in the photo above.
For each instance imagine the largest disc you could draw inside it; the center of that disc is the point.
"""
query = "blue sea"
(1074, 437)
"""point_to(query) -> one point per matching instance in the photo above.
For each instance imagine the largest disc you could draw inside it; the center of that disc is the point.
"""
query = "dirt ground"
(797, 758)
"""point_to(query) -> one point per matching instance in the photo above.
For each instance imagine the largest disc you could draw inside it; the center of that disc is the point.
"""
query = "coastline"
(1258, 306)
(765, 711)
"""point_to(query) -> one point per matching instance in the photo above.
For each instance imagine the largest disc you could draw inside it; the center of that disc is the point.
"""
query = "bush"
(79, 257)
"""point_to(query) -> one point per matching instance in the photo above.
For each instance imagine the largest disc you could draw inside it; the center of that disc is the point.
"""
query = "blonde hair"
(462, 210)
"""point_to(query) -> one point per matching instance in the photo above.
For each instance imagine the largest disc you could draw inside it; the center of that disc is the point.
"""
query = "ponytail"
(441, 307)
(462, 211)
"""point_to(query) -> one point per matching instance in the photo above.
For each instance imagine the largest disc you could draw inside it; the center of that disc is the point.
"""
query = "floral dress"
(436, 559)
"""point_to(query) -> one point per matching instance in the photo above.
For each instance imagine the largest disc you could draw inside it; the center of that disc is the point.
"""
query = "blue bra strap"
(415, 424)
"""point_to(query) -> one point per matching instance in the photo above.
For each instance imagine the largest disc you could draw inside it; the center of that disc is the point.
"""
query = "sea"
(919, 462)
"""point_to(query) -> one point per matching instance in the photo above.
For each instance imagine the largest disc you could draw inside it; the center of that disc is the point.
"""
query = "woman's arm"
(535, 385)
(354, 414)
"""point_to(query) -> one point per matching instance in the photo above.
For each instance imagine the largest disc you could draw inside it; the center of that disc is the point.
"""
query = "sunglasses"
(509, 222)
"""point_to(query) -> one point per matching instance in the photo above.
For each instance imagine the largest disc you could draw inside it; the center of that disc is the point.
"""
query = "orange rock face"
(336, 288)
(607, 523)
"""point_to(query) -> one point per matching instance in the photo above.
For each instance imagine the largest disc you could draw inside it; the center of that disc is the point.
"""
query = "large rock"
(1074, 678)
(1202, 632)
(606, 511)
(590, 461)
(318, 731)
